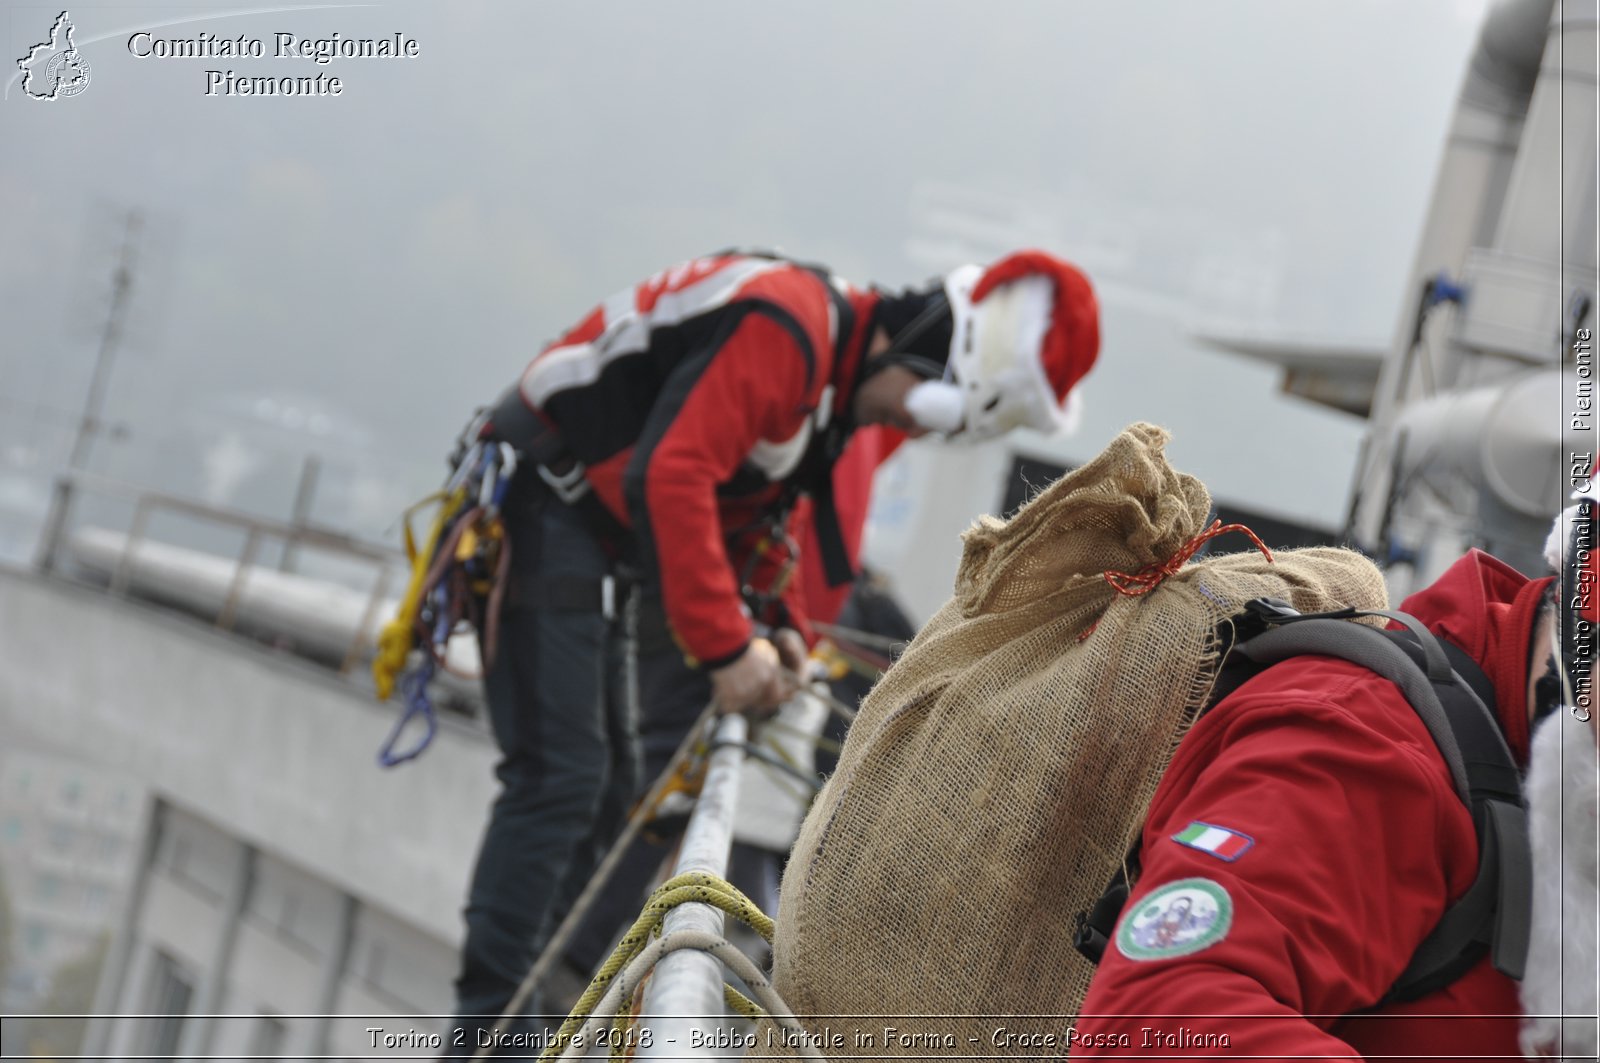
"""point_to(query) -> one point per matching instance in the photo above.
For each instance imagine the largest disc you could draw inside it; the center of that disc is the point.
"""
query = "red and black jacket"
(700, 402)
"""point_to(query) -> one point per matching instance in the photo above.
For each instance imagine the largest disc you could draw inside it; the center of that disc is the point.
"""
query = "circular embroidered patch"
(1178, 919)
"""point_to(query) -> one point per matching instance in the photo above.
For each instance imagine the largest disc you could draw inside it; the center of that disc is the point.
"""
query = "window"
(96, 898)
(61, 837)
(175, 854)
(171, 989)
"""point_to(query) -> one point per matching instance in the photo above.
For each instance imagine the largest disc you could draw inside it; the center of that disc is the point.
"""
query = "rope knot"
(1147, 579)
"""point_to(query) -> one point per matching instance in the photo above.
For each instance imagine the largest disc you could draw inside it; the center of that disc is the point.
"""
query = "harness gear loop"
(467, 556)
(763, 551)
(414, 687)
(395, 640)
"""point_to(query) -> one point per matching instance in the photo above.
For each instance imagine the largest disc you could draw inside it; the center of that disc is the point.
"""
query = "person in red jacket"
(1310, 831)
(665, 440)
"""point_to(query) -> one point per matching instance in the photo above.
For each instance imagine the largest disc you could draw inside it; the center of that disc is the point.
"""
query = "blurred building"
(233, 950)
(270, 890)
(67, 827)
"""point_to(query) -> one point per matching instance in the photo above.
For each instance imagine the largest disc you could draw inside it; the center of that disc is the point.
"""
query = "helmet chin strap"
(935, 404)
(898, 352)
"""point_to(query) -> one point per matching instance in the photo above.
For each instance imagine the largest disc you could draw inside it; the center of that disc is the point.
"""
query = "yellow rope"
(742, 1004)
(399, 634)
(694, 887)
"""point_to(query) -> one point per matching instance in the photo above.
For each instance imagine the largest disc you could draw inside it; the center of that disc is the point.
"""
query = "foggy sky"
(352, 275)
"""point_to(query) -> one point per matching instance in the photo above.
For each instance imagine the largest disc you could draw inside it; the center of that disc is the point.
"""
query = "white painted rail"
(684, 996)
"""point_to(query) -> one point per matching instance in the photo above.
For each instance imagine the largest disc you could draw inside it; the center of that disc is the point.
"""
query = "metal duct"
(1497, 440)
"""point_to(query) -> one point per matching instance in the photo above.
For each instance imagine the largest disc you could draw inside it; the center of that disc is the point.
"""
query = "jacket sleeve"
(1355, 843)
(714, 408)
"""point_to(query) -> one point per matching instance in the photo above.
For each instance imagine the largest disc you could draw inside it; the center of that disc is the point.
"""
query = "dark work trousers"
(671, 694)
(671, 698)
(561, 704)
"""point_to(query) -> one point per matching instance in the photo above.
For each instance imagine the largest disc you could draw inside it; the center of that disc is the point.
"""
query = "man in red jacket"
(1310, 830)
(664, 442)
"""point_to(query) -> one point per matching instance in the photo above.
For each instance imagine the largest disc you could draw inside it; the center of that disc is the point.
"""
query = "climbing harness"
(775, 537)
(458, 575)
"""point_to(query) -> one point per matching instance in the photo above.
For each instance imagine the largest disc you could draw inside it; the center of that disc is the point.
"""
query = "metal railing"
(684, 995)
(258, 531)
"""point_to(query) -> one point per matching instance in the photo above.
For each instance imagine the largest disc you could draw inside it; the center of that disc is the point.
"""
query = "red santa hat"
(1024, 331)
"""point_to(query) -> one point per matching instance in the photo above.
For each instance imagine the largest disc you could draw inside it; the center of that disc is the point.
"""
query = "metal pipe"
(1549, 212)
(1498, 439)
(684, 996)
(1464, 210)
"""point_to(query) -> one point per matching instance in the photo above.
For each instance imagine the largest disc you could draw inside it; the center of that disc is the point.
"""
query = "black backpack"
(1455, 700)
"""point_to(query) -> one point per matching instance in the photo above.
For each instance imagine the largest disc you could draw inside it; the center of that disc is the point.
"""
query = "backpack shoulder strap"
(1454, 700)
(815, 474)
(1376, 651)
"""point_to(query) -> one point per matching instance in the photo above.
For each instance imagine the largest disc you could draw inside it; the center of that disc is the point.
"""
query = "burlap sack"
(998, 773)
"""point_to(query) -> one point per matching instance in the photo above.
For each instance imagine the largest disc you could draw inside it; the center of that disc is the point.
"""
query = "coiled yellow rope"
(398, 636)
(693, 887)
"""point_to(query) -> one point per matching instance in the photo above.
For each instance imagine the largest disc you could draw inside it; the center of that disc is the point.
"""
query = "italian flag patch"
(1220, 842)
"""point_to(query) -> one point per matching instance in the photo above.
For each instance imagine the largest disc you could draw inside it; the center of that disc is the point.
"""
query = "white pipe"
(771, 801)
(1549, 213)
(1499, 440)
(1483, 144)
(319, 616)
(684, 997)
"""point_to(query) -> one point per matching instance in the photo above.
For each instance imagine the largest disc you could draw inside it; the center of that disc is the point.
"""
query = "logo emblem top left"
(54, 69)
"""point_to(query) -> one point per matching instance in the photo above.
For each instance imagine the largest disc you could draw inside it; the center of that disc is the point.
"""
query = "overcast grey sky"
(354, 273)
